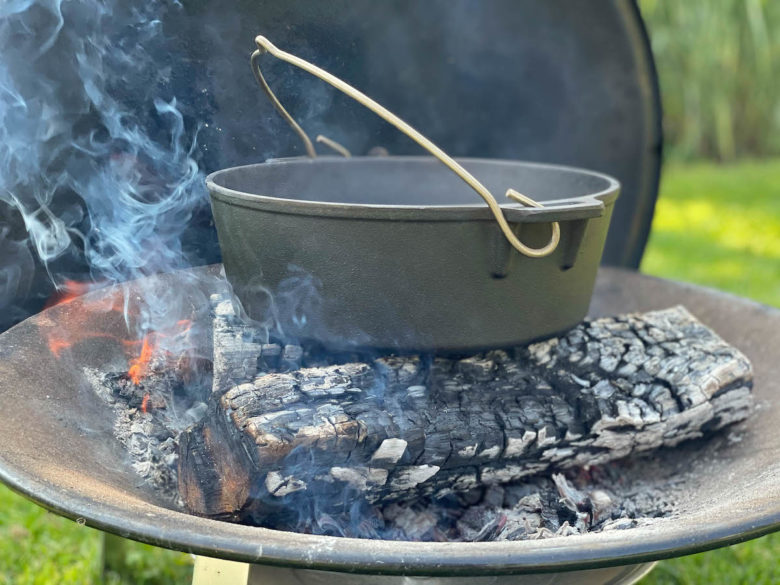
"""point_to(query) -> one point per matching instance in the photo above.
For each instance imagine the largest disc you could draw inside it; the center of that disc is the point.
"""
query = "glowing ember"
(145, 403)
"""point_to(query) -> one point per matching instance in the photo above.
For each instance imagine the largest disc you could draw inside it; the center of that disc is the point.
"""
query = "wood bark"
(399, 428)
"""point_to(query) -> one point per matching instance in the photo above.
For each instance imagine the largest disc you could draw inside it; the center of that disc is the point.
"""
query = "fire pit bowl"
(397, 252)
(58, 450)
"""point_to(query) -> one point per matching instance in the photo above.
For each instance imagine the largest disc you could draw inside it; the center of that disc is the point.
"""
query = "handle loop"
(265, 46)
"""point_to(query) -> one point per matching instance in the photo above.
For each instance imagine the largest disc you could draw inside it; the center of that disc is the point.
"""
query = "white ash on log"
(402, 428)
(235, 347)
(150, 415)
(241, 351)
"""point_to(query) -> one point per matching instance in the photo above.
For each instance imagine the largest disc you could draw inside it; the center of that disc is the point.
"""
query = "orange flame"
(139, 366)
(74, 324)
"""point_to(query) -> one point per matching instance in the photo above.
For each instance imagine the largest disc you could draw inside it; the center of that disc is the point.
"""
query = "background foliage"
(719, 65)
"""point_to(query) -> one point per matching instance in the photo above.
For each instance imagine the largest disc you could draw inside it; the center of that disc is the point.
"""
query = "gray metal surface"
(398, 253)
(58, 449)
(625, 575)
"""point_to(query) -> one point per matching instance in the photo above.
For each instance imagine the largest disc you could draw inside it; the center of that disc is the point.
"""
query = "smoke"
(96, 156)
(15, 273)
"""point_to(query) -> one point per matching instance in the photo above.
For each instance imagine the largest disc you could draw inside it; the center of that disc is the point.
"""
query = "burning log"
(400, 428)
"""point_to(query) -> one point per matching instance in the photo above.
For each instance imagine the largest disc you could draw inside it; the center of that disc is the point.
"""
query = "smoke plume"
(99, 178)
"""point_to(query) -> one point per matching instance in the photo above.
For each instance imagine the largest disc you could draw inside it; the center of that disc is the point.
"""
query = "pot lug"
(572, 235)
(576, 233)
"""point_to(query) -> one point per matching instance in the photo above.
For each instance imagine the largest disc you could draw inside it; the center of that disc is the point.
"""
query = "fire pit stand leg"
(113, 555)
(207, 571)
(210, 571)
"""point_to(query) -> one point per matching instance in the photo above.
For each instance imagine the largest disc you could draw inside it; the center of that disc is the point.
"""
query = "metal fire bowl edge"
(56, 448)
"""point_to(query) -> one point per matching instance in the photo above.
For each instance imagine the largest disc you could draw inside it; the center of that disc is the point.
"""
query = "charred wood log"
(241, 350)
(236, 347)
(400, 428)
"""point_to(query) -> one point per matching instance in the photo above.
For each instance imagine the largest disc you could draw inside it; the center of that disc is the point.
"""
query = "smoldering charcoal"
(536, 441)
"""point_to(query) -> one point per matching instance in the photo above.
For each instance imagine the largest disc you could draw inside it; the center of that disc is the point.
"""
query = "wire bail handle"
(266, 46)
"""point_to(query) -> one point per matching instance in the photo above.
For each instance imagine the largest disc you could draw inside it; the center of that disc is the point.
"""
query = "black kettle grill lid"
(558, 81)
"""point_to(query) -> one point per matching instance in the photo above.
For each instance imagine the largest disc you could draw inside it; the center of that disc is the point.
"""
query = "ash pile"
(574, 434)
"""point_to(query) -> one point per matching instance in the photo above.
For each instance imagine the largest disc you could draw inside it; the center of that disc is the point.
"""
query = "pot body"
(397, 253)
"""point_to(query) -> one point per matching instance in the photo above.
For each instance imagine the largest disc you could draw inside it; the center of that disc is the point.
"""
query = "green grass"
(720, 226)
(39, 548)
(751, 563)
(717, 226)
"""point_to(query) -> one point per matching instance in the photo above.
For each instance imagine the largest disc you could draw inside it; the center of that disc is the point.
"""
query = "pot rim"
(565, 208)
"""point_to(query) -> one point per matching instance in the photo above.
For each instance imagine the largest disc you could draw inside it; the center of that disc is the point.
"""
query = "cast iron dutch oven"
(398, 253)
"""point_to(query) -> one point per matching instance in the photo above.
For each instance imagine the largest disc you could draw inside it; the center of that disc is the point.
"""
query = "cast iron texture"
(399, 253)
(58, 449)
